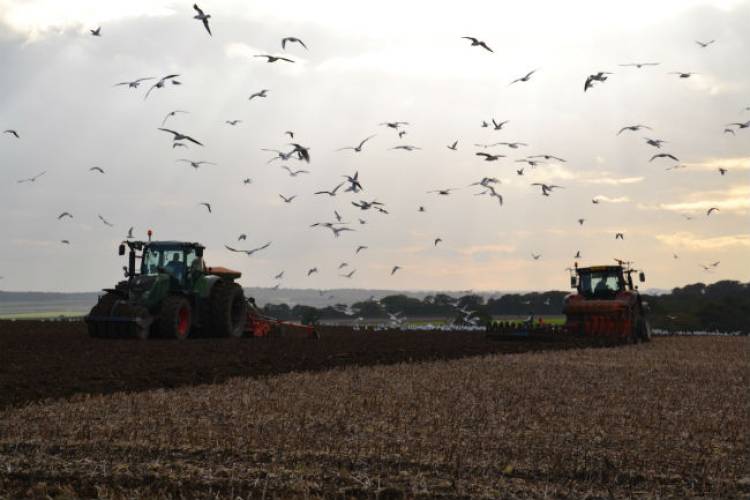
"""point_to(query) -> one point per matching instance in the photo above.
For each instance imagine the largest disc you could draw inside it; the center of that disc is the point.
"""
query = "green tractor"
(171, 295)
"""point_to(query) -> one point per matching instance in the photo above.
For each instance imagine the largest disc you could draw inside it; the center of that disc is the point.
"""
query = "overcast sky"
(366, 64)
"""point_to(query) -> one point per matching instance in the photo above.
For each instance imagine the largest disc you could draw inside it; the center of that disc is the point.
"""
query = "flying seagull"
(360, 248)
(291, 39)
(289, 199)
(740, 125)
(499, 125)
(489, 157)
(633, 128)
(477, 43)
(96, 169)
(664, 155)
(619, 236)
(135, 83)
(722, 170)
(32, 179)
(357, 149)
(12, 132)
(395, 268)
(331, 192)
(260, 93)
(294, 173)
(549, 157)
(160, 84)
(581, 221)
(639, 65)
(272, 59)
(512, 145)
(704, 44)
(682, 74)
(64, 214)
(96, 32)
(171, 114)
(453, 146)
(130, 234)
(596, 77)
(207, 205)
(251, 251)
(349, 274)
(535, 256)
(654, 142)
(303, 153)
(394, 125)
(196, 164)
(546, 188)
(202, 17)
(524, 78)
(711, 210)
(406, 147)
(279, 276)
(442, 192)
(105, 221)
(65, 242)
(437, 240)
(233, 122)
(312, 271)
(179, 137)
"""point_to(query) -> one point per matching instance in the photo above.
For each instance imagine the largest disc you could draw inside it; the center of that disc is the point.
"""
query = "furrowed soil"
(40, 359)
(667, 419)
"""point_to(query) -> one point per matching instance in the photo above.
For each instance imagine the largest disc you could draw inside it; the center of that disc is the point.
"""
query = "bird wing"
(168, 130)
(205, 23)
(198, 9)
(231, 249)
(187, 137)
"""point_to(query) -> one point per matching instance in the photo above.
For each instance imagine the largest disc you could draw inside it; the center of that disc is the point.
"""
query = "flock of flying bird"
(487, 186)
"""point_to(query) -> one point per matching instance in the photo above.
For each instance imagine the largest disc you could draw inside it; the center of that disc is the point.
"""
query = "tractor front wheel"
(228, 310)
(176, 318)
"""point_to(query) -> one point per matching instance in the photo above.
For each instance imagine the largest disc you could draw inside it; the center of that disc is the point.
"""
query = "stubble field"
(664, 419)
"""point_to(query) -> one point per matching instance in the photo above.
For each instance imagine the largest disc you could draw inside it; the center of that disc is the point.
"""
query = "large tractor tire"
(228, 310)
(103, 308)
(175, 318)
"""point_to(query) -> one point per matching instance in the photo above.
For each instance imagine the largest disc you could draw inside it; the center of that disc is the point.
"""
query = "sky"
(367, 64)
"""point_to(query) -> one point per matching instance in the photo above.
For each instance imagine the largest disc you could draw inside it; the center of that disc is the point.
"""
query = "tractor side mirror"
(121, 250)
(573, 282)
(199, 252)
(642, 276)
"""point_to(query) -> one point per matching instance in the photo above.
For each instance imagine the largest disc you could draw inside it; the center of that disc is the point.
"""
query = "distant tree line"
(722, 306)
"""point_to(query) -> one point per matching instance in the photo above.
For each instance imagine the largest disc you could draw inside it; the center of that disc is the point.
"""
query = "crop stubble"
(666, 418)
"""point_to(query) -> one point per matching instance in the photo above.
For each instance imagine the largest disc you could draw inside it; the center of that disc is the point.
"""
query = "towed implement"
(169, 292)
(606, 305)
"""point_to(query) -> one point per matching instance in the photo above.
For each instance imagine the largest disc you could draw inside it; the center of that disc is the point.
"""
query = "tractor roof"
(599, 269)
(173, 244)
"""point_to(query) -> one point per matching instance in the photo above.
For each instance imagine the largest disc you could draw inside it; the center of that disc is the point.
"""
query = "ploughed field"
(667, 419)
(40, 360)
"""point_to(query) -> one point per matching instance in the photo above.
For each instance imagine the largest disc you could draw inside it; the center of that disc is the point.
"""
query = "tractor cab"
(181, 261)
(603, 282)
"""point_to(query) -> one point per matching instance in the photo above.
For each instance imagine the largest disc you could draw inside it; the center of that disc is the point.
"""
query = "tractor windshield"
(170, 259)
(600, 284)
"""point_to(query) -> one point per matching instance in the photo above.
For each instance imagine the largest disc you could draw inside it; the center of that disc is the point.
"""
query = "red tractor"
(606, 304)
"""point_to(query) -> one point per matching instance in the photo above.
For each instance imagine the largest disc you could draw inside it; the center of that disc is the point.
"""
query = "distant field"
(43, 315)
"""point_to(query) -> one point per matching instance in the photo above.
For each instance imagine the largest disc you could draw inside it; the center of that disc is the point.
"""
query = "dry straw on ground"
(668, 418)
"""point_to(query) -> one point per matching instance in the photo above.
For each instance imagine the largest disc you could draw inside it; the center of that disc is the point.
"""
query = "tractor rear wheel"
(175, 318)
(228, 310)
(103, 308)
